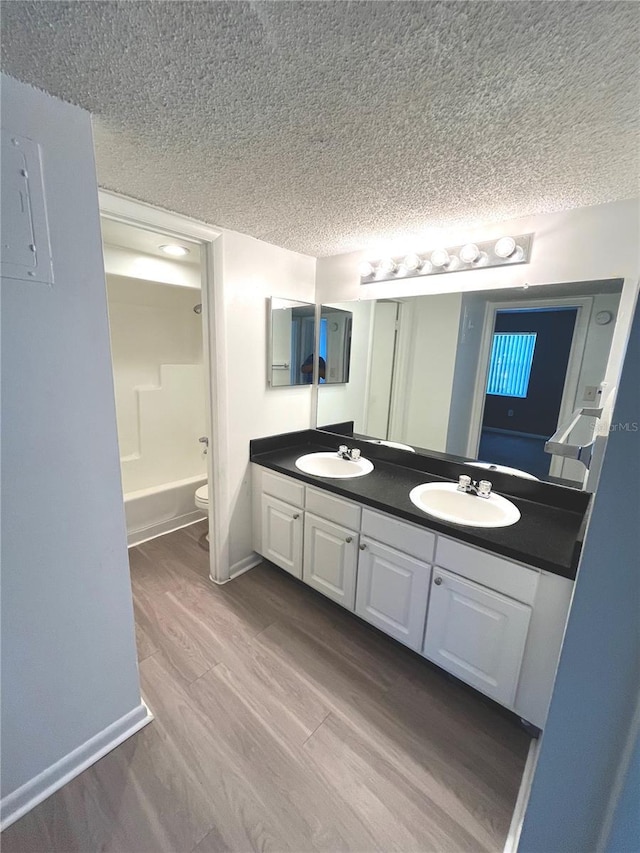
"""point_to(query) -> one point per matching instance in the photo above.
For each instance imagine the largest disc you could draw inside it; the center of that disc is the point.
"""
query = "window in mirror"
(510, 363)
(290, 343)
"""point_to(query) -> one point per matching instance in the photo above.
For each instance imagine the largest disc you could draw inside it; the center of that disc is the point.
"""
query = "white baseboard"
(27, 796)
(513, 838)
(240, 568)
(137, 537)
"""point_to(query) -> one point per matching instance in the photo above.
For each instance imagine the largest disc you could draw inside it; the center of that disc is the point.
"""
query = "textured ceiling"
(324, 127)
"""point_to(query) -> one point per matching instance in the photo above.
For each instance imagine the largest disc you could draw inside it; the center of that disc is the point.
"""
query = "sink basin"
(503, 469)
(332, 466)
(444, 501)
(396, 444)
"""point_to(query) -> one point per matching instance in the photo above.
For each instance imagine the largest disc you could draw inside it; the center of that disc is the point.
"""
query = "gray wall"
(598, 677)
(68, 649)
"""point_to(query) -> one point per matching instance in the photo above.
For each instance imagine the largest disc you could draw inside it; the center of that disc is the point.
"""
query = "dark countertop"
(548, 536)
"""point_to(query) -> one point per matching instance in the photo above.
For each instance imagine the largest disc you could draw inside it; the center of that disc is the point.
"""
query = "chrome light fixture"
(490, 253)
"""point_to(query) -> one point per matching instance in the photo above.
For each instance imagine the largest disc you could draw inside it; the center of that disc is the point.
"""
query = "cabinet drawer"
(285, 488)
(409, 538)
(333, 508)
(511, 579)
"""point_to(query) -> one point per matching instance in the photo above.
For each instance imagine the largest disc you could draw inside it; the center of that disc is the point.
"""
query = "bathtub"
(160, 509)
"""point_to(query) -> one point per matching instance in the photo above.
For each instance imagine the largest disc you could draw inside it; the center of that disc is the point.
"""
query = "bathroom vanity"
(489, 606)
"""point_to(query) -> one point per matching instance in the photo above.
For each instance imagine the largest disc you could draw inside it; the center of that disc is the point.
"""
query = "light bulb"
(426, 268)
(366, 269)
(518, 254)
(505, 247)
(440, 258)
(174, 250)
(412, 262)
(469, 253)
(387, 266)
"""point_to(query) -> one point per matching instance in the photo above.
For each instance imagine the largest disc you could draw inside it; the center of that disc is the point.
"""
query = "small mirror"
(290, 343)
(335, 345)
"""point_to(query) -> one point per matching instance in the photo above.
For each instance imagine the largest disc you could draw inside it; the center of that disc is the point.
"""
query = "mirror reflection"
(290, 343)
(335, 345)
(485, 375)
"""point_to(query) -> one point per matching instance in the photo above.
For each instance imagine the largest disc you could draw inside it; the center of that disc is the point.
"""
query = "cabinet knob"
(437, 581)
(362, 547)
(349, 539)
(296, 516)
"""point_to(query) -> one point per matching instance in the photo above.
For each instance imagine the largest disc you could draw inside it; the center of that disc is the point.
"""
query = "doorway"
(209, 315)
(526, 379)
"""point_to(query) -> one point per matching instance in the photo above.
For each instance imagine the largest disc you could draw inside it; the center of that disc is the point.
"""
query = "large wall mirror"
(290, 342)
(485, 376)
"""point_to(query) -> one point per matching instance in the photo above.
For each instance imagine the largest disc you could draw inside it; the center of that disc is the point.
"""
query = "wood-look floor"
(282, 723)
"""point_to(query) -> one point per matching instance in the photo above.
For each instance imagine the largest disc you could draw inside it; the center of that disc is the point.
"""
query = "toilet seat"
(202, 497)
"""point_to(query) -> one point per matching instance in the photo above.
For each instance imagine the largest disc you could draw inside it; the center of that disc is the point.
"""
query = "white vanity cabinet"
(476, 634)
(492, 622)
(282, 534)
(330, 559)
(392, 592)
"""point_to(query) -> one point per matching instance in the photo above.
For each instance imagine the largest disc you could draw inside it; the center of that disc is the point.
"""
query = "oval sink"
(333, 466)
(444, 501)
(503, 469)
(396, 444)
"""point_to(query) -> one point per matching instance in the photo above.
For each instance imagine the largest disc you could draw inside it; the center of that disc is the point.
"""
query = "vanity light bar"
(491, 253)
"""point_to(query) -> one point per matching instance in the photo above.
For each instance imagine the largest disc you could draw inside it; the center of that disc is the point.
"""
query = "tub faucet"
(345, 453)
(472, 487)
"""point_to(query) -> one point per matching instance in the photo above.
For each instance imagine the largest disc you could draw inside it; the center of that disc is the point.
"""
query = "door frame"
(128, 211)
(584, 305)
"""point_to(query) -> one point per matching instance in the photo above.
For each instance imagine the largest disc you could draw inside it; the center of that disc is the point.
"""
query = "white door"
(476, 634)
(330, 559)
(282, 534)
(393, 590)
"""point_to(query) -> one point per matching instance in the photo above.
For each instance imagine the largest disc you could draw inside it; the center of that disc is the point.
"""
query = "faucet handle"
(484, 488)
(355, 454)
(464, 483)
(343, 449)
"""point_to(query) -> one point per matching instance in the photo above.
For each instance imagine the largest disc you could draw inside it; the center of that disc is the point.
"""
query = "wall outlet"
(590, 393)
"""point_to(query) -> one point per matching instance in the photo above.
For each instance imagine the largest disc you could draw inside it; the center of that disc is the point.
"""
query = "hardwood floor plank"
(282, 723)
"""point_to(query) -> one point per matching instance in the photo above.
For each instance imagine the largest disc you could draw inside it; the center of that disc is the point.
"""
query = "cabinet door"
(476, 634)
(330, 559)
(393, 590)
(282, 534)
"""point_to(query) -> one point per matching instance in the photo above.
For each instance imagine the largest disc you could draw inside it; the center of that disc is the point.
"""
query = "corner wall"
(252, 271)
(70, 686)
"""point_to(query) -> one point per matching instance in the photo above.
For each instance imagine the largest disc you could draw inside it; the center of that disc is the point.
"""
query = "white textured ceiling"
(325, 126)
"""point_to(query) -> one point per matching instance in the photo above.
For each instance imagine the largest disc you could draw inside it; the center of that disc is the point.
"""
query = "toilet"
(202, 498)
(201, 501)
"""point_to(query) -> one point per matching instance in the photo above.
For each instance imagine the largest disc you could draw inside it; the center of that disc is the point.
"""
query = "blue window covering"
(510, 365)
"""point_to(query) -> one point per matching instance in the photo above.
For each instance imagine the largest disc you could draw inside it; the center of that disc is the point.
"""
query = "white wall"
(432, 358)
(251, 272)
(346, 401)
(156, 345)
(68, 649)
(591, 718)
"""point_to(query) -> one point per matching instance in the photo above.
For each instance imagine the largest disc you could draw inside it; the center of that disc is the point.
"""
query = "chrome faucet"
(472, 487)
(345, 453)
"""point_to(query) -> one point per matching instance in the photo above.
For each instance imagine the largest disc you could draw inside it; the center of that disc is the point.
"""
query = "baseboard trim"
(240, 568)
(33, 792)
(513, 838)
(137, 537)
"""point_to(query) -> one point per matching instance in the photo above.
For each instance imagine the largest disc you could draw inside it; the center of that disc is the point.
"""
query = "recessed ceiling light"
(174, 250)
